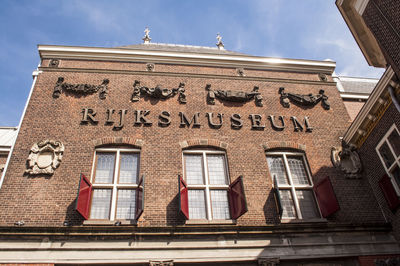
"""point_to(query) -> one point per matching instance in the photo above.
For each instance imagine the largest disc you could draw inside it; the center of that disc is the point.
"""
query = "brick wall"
(373, 168)
(353, 108)
(383, 19)
(48, 201)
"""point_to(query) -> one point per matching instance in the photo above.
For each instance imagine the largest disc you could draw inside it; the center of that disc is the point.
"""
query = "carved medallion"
(304, 99)
(44, 157)
(54, 63)
(158, 92)
(80, 88)
(347, 160)
(234, 96)
(150, 67)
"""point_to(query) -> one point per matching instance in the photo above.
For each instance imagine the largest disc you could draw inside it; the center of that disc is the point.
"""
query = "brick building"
(375, 131)
(171, 155)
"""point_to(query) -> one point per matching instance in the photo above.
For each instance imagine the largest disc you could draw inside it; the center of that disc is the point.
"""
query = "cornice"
(371, 112)
(184, 58)
(188, 75)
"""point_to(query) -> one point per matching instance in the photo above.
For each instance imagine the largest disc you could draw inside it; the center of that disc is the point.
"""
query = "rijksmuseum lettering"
(119, 118)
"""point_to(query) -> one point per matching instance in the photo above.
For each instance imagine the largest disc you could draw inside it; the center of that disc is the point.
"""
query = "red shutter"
(83, 199)
(237, 198)
(183, 197)
(277, 196)
(140, 198)
(389, 192)
(326, 197)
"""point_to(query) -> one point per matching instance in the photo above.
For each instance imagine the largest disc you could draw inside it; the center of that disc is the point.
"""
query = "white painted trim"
(172, 57)
(35, 74)
(396, 158)
(373, 98)
(361, 96)
(360, 6)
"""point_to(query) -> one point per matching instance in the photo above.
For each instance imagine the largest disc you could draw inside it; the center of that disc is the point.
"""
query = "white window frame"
(115, 185)
(396, 159)
(206, 186)
(293, 187)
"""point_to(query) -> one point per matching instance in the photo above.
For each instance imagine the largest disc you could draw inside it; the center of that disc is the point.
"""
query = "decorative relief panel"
(80, 88)
(347, 160)
(234, 96)
(44, 157)
(158, 92)
(54, 63)
(304, 99)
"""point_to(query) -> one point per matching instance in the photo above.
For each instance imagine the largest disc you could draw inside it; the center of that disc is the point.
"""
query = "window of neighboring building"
(292, 176)
(388, 150)
(207, 179)
(115, 184)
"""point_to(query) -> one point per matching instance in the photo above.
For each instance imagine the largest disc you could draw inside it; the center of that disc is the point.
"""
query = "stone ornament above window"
(304, 99)
(234, 96)
(158, 92)
(54, 63)
(347, 160)
(44, 157)
(150, 67)
(80, 88)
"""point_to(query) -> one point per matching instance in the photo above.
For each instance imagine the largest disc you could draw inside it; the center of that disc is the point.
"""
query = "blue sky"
(307, 29)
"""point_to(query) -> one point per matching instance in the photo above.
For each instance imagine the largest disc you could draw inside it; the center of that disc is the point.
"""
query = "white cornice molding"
(369, 105)
(172, 57)
(356, 96)
(360, 6)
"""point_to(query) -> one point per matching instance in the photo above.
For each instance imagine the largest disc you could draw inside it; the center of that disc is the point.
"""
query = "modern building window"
(289, 171)
(207, 179)
(115, 184)
(388, 150)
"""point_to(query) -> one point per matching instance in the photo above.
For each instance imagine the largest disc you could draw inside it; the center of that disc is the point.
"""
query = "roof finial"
(146, 37)
(220, 45)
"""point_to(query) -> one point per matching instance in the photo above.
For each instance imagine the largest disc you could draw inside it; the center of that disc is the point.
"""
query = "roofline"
(14, 128)
(369, 108)
(361, 33)
(174, 57)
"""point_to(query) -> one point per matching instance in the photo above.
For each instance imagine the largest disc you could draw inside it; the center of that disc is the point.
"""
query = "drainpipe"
(395, 100)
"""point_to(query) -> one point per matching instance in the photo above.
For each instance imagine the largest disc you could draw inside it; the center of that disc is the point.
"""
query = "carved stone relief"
(150, 67)
(304, 99)
(322, 77)
(268, 261)
(240, 72)
(234, 96)
(158, 92)
(161, 263)
(347, 160)
(54, 63)
(80, 88)
(44, 157)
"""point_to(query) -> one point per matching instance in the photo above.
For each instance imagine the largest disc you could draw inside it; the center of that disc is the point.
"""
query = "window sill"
(211, 222)
(108, 222)
(313, 220)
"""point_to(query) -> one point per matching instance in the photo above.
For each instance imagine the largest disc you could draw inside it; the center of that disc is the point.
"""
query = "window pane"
(105, 167)
(287, 204)
(219, 202)
(126, 204)
(297, 170)
(197, 206)
(194, 169)
(394, 141)
(307, 204)
(386, 154)
(128, 168)
(276, 168)
(396, 175)
(216, 169)
(101, 202)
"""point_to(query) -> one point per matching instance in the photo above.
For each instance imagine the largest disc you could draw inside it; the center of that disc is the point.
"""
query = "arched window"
(292, 181)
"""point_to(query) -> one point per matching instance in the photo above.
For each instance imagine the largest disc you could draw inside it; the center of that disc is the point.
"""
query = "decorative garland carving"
(80, 88)
(304, 99)
(234, 96)
(44, 157)
(158, 92)
(347, 160)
